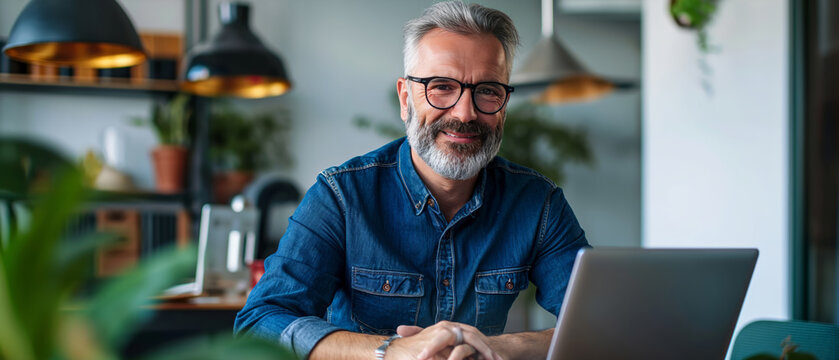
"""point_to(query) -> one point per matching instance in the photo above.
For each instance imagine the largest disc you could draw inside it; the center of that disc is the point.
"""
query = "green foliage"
(789, 351)
(224, 348)
(530, 139)
(695, 14)
(790, 356)
(170, 121)
(32, 282)
(533, 140)
(44, 315)
(388, 130)
(239, 141)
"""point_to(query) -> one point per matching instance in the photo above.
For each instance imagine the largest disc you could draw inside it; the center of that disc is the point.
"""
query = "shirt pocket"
(495, 292)
(383, 300)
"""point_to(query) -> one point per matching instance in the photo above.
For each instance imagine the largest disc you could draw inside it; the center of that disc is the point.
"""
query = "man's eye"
(488, 92)
(441, 87)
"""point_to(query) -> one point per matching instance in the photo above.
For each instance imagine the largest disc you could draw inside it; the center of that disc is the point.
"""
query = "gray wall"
(344, 58)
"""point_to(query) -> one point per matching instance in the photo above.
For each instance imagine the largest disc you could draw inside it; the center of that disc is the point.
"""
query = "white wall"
(716, 164)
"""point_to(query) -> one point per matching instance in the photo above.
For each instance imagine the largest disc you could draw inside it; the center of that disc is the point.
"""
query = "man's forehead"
(440, 33)
(484, 50)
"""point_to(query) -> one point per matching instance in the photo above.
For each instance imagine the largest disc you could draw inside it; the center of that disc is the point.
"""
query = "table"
(174, 321)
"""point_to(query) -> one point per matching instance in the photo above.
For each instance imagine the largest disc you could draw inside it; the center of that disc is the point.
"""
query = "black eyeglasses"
(443, 93)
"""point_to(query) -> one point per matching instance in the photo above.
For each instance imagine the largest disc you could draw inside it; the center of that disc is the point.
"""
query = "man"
(432, 237)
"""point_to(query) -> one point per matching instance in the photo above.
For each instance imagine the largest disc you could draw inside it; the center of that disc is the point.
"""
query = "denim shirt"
(368, 249)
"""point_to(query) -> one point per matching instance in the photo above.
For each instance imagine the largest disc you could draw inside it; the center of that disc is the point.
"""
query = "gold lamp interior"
(86, 54)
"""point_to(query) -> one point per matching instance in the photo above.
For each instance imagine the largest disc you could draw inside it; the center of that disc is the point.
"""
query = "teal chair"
(767, 337)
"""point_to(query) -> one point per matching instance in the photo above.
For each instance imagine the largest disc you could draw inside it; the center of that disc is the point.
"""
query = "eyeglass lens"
(444, 93)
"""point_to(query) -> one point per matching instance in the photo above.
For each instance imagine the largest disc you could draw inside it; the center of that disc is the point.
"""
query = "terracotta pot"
(229, 183)
(170, 162)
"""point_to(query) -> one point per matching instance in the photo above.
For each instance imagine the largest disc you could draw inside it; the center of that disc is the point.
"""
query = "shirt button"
(509, 285)
(445, 282)
(430, 202)
(386, 286)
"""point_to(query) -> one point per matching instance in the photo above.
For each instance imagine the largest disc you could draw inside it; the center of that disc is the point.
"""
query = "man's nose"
(465, 110)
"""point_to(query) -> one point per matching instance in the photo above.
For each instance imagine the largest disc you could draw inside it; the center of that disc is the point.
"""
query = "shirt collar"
(419, 193)
(416, 189)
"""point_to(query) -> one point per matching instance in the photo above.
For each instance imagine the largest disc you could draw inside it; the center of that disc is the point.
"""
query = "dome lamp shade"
(552, 66)
(89, 33)
(235, 62)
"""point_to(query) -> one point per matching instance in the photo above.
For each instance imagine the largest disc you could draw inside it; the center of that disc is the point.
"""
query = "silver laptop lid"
(652, 303)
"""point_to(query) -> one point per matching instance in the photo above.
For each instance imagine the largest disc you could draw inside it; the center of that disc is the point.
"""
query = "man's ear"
(402, 92)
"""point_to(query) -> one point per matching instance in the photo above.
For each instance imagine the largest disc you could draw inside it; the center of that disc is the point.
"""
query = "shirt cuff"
(303, 334)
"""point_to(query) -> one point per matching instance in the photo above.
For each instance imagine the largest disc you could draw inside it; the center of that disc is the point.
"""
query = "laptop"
(652, 303)
(226, 245)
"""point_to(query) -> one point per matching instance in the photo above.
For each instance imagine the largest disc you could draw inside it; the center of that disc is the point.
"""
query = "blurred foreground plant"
(41, 270)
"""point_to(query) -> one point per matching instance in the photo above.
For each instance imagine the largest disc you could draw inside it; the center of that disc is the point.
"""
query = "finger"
(479, 343)
(441, 338)
(462, 352)
(408, 330)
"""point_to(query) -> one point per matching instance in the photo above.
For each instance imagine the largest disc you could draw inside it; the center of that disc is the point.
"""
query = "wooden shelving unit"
(99, 86)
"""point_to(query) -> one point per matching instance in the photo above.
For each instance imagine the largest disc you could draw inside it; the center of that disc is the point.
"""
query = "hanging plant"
(694, 14)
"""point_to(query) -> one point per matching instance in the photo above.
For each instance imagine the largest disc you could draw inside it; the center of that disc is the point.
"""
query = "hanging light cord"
(547, 18)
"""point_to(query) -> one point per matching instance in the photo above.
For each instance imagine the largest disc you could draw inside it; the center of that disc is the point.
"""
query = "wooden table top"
(202, 303)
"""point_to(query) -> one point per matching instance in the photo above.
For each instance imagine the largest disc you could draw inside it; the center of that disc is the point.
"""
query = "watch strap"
(380, 351)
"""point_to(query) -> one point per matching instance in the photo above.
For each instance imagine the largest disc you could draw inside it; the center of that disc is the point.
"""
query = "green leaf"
(170, 121)
(698, 13)
(76, 257)
(122, 305)
(223, 347)
(27, 163)
(240, 141)
(13, 337)
(35, 291)
(528, 133)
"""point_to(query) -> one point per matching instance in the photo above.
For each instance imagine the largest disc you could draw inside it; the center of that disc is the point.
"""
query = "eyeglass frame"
(463, 86)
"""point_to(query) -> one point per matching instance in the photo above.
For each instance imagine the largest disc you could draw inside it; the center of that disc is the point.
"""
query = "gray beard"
(454, 161)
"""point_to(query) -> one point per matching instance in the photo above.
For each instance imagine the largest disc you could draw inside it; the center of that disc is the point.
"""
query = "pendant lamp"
(551, 64)
(235, 62)
(89, 33)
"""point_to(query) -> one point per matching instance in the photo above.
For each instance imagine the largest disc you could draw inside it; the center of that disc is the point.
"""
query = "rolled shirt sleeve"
(289, 302)
(557, 249)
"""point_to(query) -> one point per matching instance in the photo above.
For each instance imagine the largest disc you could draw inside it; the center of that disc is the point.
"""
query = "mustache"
(472, 127)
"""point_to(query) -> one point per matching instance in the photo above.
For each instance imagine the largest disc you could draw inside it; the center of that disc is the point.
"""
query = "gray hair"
(464, 19)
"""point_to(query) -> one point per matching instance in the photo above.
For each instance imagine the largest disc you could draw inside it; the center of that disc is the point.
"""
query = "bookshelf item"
(125, 252)
(142, 233)
(43, 72)
(165, 51)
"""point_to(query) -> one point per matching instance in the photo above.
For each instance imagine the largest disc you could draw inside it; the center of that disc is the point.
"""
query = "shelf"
(109, 199)
(99, 86)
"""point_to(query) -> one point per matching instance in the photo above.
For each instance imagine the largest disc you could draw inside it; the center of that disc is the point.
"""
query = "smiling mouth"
(458, 135)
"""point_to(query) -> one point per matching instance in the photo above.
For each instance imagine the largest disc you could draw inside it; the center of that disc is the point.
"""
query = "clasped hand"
(444, 340)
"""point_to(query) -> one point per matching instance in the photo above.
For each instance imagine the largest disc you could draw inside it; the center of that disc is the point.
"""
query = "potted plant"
(241, 144)
(169, 158)
(694, 14)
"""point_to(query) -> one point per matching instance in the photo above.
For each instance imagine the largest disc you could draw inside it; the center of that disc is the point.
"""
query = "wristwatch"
(380, 351)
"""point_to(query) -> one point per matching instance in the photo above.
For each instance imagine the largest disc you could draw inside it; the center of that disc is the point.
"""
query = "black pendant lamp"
(235, 62)
(551, 64)
(89, 33)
